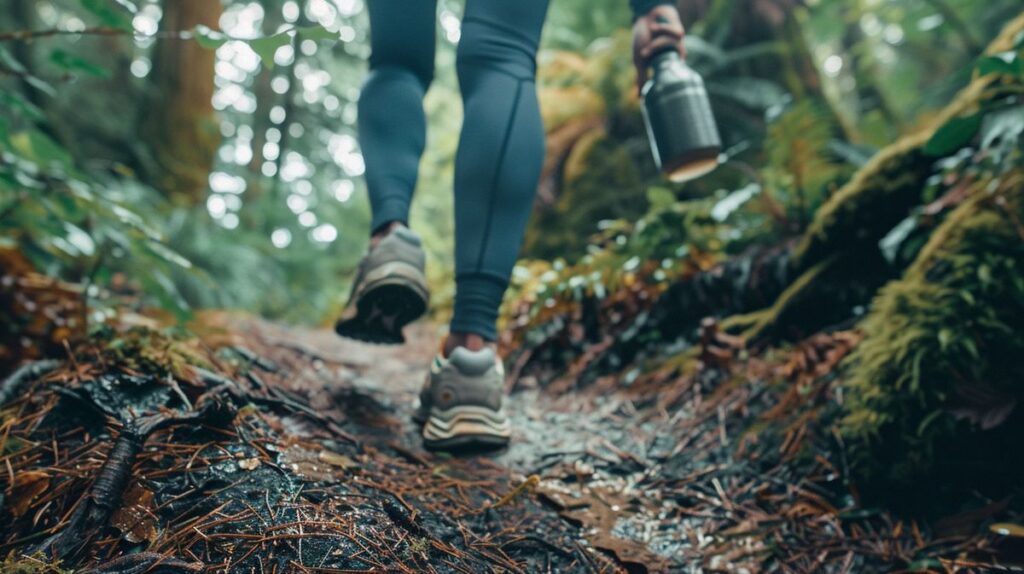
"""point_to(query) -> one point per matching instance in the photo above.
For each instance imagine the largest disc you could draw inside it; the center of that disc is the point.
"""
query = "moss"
(941, 358)
(758, 323)
(36, 564)
(148, 351)
(865, 209)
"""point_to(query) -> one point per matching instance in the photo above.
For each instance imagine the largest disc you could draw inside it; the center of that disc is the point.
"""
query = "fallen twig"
(145, 563)
(12, 384)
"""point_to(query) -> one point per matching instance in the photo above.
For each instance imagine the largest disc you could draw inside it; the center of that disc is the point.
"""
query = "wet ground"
(294, 451)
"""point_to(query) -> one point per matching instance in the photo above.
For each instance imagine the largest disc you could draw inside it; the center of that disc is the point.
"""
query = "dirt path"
(594, 440)
(653, 472)
(294, 451)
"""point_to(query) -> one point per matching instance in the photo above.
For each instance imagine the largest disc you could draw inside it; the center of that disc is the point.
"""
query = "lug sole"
(389, 299)
(466, 427)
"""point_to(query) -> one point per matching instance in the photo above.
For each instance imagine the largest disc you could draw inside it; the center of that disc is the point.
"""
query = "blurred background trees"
(140, 134)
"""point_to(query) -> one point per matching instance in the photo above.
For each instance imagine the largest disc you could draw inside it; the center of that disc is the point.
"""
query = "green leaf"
(753, 93)
(73, 63)
(1002, 63)
(317, 34)
(41, 85)
(168, 254)
(698, 49)
(739, 55)
(38, 148)
(81, 240)
(660, 198)
(953, 135)
(109, 13)
(209, 38)
(14, 101)
(132, 220)
(8, 60)
(970, 347)
(928, 421)
(266, 47)
(985, 274)
(946, 338)
(159, 285)
(891, 243)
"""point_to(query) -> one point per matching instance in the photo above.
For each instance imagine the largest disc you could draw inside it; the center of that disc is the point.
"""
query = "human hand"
(654, 32)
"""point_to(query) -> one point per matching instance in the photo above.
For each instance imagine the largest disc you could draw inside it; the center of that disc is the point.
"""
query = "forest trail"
(644, 477)
(586, 451)
(266, 448)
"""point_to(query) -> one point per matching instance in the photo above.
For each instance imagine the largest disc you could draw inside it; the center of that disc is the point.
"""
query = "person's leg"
(390, 287)
(499, 159)
(392, 124)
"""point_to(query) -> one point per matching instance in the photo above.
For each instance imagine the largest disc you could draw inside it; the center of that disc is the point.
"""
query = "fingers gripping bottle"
(679, 121)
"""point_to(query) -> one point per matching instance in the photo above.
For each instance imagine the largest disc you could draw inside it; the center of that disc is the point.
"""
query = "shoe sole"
(466, 427)
(394, 296)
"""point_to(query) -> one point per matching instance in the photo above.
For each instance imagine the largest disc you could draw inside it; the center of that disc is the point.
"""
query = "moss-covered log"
(935, 384)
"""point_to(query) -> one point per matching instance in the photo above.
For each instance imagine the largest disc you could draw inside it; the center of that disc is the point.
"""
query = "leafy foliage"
(71, 220)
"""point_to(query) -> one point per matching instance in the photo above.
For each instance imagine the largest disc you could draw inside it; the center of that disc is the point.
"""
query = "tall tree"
(180, 118)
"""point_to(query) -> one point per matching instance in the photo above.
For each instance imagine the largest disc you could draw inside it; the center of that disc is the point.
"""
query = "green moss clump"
(36, 564)
(147, 351)
(865, 209)
(940, 366)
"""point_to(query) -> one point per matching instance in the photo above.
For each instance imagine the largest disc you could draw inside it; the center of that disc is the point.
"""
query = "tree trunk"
(181, 129)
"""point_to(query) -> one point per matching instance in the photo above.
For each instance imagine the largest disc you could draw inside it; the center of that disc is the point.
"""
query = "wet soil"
(293, 450)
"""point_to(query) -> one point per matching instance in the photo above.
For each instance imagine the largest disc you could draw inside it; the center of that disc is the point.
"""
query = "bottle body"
(680, 125)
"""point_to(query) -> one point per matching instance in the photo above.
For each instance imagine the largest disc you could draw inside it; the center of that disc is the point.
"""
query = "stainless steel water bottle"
(680, 125)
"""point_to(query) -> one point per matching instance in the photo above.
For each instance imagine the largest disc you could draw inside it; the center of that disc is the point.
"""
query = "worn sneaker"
(390, 291)
(461, 402)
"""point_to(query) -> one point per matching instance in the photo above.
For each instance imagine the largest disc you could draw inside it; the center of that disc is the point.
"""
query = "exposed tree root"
(11, 386)
(95, 509)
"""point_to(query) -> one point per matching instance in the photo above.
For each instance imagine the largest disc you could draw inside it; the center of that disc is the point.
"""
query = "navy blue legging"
(501, 149)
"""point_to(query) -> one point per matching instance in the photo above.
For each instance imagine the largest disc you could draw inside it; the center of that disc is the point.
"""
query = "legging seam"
(508, 29)
(495, 278)
(485, 62)
(497, 173)
(402, 69)
(401, 181)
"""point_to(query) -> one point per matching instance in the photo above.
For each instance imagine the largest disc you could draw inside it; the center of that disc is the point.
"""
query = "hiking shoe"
(390, 291)
(461, 402)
